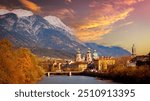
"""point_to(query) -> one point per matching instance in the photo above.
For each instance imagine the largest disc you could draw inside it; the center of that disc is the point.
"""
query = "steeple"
(95, 55)
(78, 51)
(133, 51)
(89, 56)
(78, 56)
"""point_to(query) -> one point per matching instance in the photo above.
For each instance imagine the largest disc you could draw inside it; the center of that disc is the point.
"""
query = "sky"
(106, 22)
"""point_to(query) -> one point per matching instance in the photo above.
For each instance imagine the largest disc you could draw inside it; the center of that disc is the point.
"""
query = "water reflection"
(73, 80)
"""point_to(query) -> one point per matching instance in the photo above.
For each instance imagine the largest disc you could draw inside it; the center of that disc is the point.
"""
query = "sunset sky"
(107, 22)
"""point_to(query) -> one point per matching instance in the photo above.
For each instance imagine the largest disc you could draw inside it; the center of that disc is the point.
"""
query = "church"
(94, 61)
(138, 60)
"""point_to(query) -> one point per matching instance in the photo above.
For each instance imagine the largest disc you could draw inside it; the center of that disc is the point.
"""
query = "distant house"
(79, 66)
(139, 61)
(131, 64)
(142, 58)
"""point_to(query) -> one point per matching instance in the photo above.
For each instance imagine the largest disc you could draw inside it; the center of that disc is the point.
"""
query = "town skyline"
(118, 22)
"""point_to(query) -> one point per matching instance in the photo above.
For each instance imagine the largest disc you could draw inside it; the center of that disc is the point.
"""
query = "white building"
(78, 56)
(88, 56)
(95, 55)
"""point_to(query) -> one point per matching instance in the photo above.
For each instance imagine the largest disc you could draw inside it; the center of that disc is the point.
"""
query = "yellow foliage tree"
(17, 65)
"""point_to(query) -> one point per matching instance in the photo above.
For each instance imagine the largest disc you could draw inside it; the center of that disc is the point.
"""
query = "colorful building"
(99, 63)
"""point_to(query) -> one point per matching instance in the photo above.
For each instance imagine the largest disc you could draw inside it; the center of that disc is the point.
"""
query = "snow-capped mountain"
(46, 36)
(18, 12)
(55, 21)
(35, 31)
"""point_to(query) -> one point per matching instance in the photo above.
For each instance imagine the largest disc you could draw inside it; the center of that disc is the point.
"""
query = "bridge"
(69, 73)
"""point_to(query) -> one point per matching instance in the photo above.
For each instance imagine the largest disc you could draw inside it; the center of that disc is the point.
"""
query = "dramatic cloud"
(102, 21)
(100, 25)
(64, 13)
(127, 2)
(90, 35)
(68, 1)
(2, 7)
(126, 24)
(102, 17)
(93, 4)
(30, 5)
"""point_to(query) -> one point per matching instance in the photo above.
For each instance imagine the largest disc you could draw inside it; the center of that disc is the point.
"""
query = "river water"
(59, 79)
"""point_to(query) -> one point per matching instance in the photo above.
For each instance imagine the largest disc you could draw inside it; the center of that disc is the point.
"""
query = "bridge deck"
(66, 72)
(63, 72)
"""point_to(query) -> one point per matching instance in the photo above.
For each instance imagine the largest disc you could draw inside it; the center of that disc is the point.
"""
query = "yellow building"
(102, 63)
(82, 66)
(79, 66)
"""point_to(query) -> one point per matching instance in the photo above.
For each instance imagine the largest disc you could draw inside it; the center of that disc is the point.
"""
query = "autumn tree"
(17, 65)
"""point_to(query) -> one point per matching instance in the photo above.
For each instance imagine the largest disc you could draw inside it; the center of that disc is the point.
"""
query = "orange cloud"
(93, 4)
(89, 35)
(128, 2)
(2, 7)
(102, 17)
(30, 5)
(64, 13)
(92, 29)
(68, 1)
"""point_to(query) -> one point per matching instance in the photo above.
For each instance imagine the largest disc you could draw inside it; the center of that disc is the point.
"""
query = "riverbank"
(126, 75)
(132, 75)
(118, 72)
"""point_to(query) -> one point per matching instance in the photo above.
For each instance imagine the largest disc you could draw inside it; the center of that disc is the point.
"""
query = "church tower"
(78, 56)
(95, 55)
(89, 56)
(133, 51)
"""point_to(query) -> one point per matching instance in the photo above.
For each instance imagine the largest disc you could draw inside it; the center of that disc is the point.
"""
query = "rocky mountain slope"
(47, 36)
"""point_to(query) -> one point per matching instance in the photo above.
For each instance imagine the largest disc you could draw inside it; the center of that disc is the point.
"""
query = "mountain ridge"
(108, 51)
(36, 32)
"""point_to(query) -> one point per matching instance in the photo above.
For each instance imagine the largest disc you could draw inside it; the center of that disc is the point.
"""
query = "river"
(59, 79)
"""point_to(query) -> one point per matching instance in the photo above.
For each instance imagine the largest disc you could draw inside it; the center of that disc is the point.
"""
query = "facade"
(99, 63)
(56, 66)
(78, 56)
(88, 58)
(79, 66)
(95, 55)
(102, 63)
